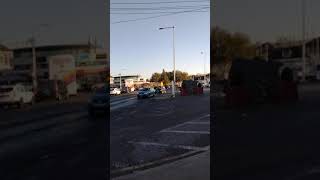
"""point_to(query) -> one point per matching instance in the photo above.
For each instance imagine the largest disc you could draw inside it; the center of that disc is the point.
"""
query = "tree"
(155, 77)
(164, 78)
(227, 46)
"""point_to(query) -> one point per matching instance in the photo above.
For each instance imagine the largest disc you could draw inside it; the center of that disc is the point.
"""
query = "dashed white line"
(185, 132)
(198, 122)
(169, 145)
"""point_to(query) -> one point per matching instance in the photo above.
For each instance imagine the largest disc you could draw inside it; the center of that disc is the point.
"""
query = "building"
(111, 81)
(290, 54)
(90, 62)
(6, 56)
(129, 81)
(202, 78)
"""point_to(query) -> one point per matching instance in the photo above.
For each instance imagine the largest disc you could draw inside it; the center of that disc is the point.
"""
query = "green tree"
(164, 78)
(155, 77)
(227, 46)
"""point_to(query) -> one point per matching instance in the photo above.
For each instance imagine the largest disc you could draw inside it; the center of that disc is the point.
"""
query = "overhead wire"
(159, 2)
(151, 17)
(145, 8)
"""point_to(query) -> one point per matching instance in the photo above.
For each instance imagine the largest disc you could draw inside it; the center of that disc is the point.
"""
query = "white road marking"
(173, 146)
(198, 122)
(185, 132)
(188, 122)
(121, 101)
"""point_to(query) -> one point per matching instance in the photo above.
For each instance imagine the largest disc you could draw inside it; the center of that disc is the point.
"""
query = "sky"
(266, 20)
(69, 21)
(139, 47)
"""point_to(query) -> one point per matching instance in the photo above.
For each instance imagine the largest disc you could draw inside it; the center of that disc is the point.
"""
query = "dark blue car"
(99, 102)
(146, 93)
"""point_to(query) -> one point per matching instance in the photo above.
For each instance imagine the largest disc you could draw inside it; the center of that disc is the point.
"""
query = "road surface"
(156, 128)
(269, 141)
(59, 141)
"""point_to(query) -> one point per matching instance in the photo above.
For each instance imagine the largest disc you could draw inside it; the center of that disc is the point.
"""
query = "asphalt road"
(269, 141)
(155, 128)
(58, 141)
(53, 141)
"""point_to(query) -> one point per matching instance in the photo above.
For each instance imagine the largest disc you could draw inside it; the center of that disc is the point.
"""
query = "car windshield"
(145, 89)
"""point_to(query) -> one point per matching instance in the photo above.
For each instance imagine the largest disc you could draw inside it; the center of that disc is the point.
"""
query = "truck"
(62, 72)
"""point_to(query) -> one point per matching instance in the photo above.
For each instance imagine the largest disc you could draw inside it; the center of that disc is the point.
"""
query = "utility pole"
(34, 64)
(34, 60)
(304, 39)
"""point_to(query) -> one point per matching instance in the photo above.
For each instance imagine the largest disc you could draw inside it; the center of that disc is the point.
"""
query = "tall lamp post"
(204, 61)
(174, 59)
(304, 40)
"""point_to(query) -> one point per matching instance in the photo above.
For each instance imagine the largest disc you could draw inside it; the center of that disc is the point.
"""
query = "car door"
(18, 94)
(23, 94)
(29, 94)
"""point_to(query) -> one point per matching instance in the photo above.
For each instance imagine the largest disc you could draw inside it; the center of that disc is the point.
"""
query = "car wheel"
(32, 101)
(20, 103)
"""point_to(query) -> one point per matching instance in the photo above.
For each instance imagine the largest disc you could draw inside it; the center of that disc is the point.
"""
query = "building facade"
(6, 56)
(290, 54)
(129, 81)
(90, 63)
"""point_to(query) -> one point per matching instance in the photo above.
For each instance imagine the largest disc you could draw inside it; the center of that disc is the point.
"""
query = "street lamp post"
(204, 61)
(120, 82)
(174, 58)
(303, 40)
(34, 65)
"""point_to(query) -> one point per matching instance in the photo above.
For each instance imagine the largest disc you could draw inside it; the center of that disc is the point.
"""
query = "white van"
(17, 94)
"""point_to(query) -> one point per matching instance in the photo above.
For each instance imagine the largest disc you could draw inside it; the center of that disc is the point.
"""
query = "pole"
(303, 40)
(34, 65)
(120, 82)
(174, 65)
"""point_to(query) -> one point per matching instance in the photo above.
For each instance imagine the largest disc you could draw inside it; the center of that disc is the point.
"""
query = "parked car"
(99, 102)
(96, 86)
(124, 91)
(146, 93)
(115, 91)
(17, 94)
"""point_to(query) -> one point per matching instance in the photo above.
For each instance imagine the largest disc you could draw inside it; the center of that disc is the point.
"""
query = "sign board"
(62, 67)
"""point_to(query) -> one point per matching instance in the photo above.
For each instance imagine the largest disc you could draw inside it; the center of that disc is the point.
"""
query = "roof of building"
(54, 47)
(2, 47)
(127, 76)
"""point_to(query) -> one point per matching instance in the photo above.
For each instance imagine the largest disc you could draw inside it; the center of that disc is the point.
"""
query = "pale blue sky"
(140, 48)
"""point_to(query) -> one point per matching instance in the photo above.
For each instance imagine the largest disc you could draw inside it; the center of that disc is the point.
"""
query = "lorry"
(62, 72)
